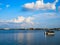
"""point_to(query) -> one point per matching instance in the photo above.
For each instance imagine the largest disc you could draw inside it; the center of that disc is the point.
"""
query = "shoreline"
(30, 29)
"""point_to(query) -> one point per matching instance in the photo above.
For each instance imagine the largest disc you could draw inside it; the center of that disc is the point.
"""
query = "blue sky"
(39, 13)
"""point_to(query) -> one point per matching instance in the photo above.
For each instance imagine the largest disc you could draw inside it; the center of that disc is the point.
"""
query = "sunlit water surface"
(28, 37)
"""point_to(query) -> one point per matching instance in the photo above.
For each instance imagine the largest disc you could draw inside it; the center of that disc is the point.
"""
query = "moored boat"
(49, 32)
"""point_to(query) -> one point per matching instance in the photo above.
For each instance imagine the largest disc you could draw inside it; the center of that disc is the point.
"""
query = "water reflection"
(25, 38)
(19, 38)
(30, 38)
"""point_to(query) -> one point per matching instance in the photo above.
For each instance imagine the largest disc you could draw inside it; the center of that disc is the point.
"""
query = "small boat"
(49, 33)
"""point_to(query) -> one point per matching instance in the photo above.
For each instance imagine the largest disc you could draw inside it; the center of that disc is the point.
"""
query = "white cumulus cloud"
(29, 5)
(29, 20)
(19, 19)
(39, 4)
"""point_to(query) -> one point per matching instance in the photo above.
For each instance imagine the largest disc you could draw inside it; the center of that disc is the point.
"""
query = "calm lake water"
(28, 37)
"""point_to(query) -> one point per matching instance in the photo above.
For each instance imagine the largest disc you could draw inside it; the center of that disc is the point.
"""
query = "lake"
(28, 37)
